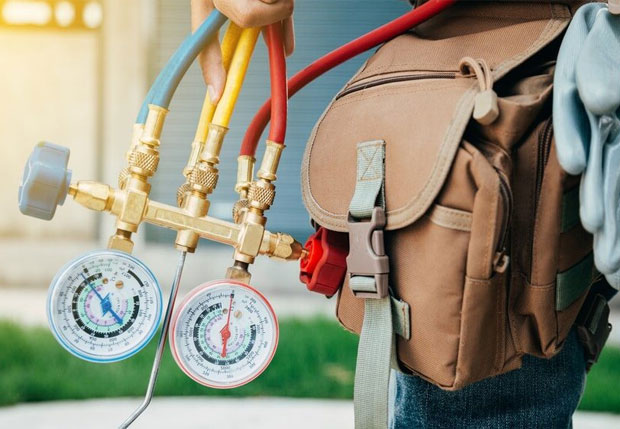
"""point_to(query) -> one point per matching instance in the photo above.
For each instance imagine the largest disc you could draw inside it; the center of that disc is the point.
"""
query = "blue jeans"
(544, 393)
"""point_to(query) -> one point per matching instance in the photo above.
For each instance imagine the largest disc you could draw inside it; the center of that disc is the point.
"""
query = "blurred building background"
(74, 72)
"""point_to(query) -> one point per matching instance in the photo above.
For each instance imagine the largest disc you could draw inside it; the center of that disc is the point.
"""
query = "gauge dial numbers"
(224, 334)
(104, 306)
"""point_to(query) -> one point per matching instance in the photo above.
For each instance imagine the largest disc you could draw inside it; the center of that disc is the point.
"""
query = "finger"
(200, 9)
(255, 13)
(213, 71)
(210, 58)
(288, 29)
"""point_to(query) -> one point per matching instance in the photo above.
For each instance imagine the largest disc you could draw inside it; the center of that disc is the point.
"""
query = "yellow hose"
(236, 74)
(229, 43)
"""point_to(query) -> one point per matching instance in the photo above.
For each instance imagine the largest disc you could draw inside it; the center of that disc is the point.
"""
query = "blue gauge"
(104, 306)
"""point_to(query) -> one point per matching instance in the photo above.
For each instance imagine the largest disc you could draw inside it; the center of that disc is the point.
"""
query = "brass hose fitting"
(239, 271)
(262, 192)
(143, 157)
(194, 153)
(284, 247)
(260, 196)
(138, 129)
(201, 181)
(130, 201)
(121, 241)
(245, 173)
(213, 144)
(202, 173)
(271, 160)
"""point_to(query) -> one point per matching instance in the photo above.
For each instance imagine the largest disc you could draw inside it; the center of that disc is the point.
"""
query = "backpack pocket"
(450, 267)
(556, 267)
(456, 277)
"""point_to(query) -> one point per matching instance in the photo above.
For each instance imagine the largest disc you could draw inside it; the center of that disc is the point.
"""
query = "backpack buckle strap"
(593, 327)
(367, 262)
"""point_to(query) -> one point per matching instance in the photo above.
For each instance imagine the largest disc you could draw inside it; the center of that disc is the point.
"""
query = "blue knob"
(45, 182)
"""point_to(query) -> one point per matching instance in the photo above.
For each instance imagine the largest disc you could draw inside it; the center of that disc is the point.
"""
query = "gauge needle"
(106, 305)
(226, 330)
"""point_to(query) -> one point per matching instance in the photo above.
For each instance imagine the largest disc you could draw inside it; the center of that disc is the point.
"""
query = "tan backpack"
(487, 258)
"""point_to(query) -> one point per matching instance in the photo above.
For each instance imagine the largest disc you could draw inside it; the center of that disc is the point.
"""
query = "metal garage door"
(321, 25)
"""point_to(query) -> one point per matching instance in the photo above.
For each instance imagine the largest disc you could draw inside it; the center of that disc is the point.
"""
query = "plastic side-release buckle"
(593, 327)
(367, 256)
(325, 266)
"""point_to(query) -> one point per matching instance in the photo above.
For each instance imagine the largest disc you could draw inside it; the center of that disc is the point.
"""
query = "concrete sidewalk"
(192, 412)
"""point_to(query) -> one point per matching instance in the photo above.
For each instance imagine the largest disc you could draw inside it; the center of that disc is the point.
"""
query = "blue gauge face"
(104, 306)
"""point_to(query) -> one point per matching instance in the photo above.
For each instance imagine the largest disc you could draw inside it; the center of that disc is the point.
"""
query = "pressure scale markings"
(104, 306)
(224, 334)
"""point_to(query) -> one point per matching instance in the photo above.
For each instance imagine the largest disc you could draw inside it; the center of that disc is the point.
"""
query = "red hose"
(338, 56)
(277, 73)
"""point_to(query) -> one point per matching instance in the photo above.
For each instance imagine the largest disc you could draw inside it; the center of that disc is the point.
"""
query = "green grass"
(603, 387)
(315, 359)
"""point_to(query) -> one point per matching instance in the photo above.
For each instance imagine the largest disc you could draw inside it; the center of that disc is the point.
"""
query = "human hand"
(245, 13)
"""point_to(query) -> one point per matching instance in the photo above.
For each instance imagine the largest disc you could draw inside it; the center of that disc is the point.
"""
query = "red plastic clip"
(324, 268)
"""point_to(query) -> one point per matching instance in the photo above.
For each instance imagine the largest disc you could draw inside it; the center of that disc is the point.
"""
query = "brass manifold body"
(131, 205)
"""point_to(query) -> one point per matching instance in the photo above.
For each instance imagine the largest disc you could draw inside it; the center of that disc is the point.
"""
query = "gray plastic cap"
(45, 182)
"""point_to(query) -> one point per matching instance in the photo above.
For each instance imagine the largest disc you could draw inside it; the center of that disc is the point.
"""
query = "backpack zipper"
(501, 259)
(396, 79)
(544, 148)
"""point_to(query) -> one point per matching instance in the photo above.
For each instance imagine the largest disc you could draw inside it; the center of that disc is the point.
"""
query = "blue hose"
(166, 83)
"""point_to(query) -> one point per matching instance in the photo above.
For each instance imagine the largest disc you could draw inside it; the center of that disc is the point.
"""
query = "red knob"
(325, 266)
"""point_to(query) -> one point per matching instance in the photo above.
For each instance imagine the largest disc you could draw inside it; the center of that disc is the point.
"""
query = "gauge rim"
(140, 345)
(173, 343)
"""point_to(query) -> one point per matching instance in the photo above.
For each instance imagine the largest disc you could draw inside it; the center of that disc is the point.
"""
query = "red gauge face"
(224, 334)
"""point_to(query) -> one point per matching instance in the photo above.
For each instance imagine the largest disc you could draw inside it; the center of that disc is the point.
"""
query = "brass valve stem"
(195, 150)
(123, 176)
(261, 194)
(245, 173)
(262, 191)
(142, 162)
(201, 181)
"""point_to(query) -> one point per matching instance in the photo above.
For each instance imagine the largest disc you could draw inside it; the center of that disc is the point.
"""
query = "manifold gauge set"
(106, 305)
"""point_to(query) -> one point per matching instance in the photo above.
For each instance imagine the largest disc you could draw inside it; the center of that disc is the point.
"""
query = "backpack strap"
(368, 267)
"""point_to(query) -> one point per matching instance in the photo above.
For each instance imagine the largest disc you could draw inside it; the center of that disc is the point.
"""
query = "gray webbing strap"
(374, 361)
(370, 179)
(376, 350)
